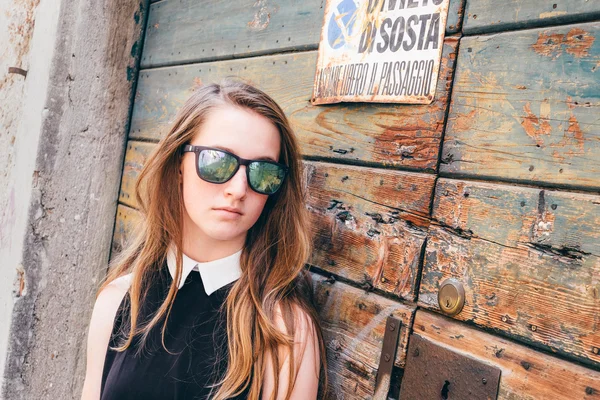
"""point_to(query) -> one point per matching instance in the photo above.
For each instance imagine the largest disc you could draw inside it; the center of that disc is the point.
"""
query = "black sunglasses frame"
(240, 161)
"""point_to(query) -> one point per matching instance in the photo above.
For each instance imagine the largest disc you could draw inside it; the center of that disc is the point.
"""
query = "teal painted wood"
(456, 9)
(190, 31)
(187, 31)
(529, 260)
(494, 16)
(399, 135)
(525, 107)
(565, 223)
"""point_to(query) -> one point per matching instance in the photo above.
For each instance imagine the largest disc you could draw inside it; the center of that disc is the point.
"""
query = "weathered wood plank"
(353, 324)
(127, 219)
(135, 157)
(191, 31)
(494, 16)
(526, 373)
(456, 9)
(369, 224)
(528, 259)
(525, 107)
(563, 222)
(406, 136)
(187, 31)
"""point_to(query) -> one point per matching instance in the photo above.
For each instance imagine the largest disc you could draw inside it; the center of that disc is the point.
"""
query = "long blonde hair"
(272, 261)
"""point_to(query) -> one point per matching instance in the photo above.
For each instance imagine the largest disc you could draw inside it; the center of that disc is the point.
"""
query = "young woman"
(211, 299)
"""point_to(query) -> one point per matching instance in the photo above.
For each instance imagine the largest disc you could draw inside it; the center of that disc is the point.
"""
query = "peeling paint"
(536, 127)
(576, 42)
(551, 14)
(262, 16)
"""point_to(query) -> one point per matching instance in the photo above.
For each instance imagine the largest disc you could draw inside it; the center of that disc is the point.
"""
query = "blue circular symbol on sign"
(341, 23)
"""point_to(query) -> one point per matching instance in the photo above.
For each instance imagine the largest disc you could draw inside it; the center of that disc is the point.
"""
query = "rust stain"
(557, 156)
(197, 83)
(572, 136)
(262, 16)
(548, 45)
(462, 123)
(576, 42)
(534, 126)
(21, 284)
(21, 22)
(575, 131)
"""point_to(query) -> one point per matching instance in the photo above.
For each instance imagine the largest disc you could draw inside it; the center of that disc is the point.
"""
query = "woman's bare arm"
(307, 360)
(100, 329)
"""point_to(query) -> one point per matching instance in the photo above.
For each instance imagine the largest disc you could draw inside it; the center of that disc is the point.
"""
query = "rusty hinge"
(387, 358)
(434, 372)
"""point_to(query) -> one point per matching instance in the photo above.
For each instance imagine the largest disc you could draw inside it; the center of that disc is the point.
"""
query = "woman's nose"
(238, 184)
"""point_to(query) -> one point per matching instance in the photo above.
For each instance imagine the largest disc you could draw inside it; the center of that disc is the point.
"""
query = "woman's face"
(248, 135)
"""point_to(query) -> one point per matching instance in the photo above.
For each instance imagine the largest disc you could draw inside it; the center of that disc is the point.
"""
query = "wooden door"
(495, 184)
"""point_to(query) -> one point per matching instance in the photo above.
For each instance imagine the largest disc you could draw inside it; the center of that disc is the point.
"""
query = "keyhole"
(447, 303)
(445, 390)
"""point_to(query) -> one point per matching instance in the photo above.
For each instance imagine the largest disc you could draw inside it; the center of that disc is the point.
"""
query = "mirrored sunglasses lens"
(266, 177)
(216, 166)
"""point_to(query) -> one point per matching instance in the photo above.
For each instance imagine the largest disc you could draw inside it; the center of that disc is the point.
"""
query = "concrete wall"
(62, 136)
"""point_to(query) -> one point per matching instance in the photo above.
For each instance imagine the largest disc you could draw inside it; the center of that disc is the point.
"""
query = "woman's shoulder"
(121, 283)
(99, 332)
(108, 302)
(110, 298)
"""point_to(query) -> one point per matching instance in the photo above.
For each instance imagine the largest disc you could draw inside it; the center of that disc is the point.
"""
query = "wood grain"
(525, 107)
(353, 323)
(126, 221)
(188, 31)
(529, 260)
(404, 136)
(369, 225)
(526, 374)
(456, 9)
(135, 157)
(494, 16)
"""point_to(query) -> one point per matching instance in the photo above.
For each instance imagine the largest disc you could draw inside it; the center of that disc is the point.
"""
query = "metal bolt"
(504, 319)
(382, 280)
(484, 381)
(386, 357)
(533, 328)
(595, 350)
(416, 352)
(392, 327)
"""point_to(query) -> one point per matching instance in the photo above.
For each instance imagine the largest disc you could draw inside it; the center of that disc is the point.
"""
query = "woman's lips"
(228, 212)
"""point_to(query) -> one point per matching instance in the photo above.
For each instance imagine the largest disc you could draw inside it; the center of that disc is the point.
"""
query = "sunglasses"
(219, 166)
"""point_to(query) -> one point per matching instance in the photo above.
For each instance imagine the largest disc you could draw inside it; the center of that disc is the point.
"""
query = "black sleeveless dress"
(196, 335)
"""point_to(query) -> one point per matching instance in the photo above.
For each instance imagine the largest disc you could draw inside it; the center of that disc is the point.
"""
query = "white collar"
(215, 274)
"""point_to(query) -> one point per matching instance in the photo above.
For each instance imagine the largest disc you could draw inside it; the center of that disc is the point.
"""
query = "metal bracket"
(434, 372)
(387, 357)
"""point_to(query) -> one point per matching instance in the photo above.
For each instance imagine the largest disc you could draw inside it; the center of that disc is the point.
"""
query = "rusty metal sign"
(387, 358)
(385, 51)
(434, 372)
